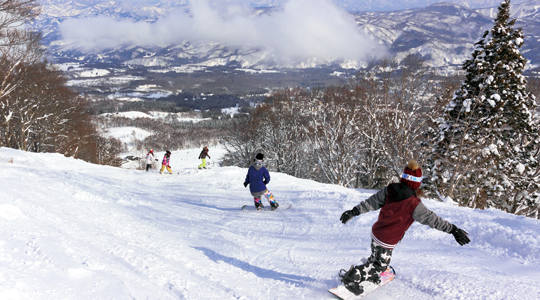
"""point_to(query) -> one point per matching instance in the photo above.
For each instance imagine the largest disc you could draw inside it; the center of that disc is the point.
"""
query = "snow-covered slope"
(72, 230)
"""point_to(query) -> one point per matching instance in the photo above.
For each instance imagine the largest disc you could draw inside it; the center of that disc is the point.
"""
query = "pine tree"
(486, 151)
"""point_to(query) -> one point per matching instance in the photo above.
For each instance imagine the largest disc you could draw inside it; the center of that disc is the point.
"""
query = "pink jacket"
(166, 160)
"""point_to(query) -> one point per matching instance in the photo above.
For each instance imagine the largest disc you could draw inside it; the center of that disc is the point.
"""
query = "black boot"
(258, 206)
(274, 205)
(351, 280)
(375, 278)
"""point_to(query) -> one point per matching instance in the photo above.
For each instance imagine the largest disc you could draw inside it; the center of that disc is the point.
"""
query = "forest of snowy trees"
(37, 111)
(486, 144)
(356, 135)
(476, 135)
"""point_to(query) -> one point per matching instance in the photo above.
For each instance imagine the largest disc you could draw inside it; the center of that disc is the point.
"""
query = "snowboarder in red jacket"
(400, 207)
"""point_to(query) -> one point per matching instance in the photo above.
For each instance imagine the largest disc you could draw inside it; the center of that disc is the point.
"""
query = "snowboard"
(266, 208)
(343, 293)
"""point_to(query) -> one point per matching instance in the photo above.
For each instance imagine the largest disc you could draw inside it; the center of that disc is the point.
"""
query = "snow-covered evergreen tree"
(486, 151)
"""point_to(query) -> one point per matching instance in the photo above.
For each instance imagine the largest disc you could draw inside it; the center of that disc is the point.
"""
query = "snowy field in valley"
(127, 134)
(73, 230)
(180, 117)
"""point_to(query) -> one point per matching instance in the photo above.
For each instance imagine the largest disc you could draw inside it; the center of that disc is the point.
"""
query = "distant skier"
(149, 159)
(257, 178)
(203, 155)
(400, 207)
(165, 162)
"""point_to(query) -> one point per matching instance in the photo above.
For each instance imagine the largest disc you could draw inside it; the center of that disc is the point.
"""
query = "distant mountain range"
(350, 5)
(444, 33)
(393, 5)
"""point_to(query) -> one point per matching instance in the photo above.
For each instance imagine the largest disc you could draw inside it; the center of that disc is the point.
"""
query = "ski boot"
(351, 280)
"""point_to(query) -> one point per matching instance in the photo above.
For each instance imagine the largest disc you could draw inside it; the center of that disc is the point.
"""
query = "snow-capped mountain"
(392, 5)
(351, 5)
(444, 33)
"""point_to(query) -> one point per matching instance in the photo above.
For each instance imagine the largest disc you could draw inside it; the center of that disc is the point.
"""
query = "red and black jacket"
(399, 209)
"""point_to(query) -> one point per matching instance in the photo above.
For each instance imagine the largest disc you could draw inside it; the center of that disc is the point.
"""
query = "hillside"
(72, 230)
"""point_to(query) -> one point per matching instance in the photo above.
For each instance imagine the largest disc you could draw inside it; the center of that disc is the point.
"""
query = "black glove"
(265, 182)
(460, 235)
(349, 214)
(245, 184)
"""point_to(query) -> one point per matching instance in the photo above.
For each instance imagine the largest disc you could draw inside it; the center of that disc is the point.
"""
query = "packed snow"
(73, 230)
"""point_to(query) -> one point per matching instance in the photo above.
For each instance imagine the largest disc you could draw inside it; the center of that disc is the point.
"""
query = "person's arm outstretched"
(375, 202)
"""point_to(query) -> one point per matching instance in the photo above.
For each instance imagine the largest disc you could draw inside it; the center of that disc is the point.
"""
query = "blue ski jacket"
(257, 178)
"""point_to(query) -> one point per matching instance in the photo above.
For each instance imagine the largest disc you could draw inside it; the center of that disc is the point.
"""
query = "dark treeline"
(114, 106)
(207, 102)
(172, 104)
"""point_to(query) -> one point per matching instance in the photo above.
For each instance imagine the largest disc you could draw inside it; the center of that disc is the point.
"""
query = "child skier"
(257, 178)
(149, 159)
(165, 162)
(203, 155)
(400, 207)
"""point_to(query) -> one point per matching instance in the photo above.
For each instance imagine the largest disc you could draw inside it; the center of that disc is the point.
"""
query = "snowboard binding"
(351, 280)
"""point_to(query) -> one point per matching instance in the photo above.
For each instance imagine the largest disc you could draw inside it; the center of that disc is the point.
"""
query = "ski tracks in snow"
(72, 230)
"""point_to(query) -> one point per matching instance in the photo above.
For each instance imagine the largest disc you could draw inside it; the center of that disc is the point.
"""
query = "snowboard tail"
(343, 293)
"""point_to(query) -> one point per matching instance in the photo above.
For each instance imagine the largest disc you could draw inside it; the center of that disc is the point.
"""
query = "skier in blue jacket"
(257, 178)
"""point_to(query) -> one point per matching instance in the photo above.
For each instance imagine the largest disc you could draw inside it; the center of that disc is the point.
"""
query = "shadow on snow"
(260, 272)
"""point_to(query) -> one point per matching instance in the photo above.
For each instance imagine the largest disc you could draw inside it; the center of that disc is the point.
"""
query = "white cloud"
(301, 29)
